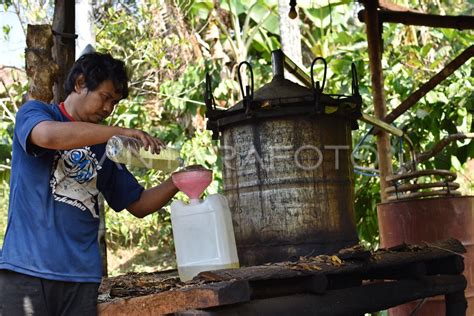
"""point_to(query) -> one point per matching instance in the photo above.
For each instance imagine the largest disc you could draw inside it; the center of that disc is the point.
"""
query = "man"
(50, 263)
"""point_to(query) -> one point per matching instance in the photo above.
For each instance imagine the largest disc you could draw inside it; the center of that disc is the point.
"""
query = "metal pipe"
(394, 131)
(277, 63)
(293, 68)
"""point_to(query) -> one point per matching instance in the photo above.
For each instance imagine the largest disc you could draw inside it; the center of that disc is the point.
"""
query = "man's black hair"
(97, 68)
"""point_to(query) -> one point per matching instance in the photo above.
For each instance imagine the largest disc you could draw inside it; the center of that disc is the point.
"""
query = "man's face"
(95, 106)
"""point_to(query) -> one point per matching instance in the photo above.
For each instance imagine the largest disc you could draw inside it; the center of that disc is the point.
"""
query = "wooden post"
(456, 303)
(374, 40)
(64, 43)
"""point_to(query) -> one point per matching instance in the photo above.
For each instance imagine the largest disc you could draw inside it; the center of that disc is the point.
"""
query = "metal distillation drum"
(287, 169)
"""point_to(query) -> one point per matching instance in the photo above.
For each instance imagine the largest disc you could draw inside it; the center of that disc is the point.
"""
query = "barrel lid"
(279, 91)
(281, 98)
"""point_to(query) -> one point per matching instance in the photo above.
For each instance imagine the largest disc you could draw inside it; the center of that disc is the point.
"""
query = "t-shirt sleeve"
(119, 187)
(28, 116)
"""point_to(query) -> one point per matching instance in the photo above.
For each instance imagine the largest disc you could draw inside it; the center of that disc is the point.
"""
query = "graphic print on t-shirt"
(74, 179)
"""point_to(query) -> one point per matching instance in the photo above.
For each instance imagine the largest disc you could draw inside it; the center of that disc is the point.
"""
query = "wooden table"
(353, 281)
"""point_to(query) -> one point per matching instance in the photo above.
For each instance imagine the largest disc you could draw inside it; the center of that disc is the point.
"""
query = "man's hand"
(150, 143)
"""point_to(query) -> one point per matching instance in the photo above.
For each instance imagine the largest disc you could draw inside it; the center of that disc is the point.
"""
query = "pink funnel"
(192, 182)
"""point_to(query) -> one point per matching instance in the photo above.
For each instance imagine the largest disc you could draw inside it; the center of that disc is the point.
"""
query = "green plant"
(10, 101)
(168, 70)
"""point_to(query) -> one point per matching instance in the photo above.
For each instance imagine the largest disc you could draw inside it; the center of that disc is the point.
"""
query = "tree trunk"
(290, 36)
(40, 67)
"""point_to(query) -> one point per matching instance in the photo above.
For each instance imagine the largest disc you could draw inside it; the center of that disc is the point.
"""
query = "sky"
(12, 50)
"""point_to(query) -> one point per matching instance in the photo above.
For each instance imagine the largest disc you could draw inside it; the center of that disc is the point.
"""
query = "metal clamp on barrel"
(247, 95)
(208, 97)
(211, 109)
(356, 97)
(355, 81)
(318, 89)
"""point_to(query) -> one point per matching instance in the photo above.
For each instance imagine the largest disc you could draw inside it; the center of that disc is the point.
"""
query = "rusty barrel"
(430, 220)
(290, 186)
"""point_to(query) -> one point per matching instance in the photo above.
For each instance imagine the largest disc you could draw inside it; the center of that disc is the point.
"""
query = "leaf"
(5, 153)
(425, 50)
(462, 154)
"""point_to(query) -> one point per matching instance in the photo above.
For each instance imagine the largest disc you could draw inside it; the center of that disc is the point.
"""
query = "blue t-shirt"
(53, 215)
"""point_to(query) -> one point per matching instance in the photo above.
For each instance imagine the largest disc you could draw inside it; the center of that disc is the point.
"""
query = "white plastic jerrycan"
(202, 230)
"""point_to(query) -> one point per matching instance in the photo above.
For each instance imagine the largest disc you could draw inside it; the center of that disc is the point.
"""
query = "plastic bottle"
(203, 236)
(130, 151)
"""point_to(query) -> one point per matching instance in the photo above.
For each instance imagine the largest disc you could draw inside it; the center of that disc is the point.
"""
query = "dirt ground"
(137, 260)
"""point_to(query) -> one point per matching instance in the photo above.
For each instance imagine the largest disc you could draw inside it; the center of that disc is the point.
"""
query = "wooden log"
(460, 22)
(449, 265)
(40, 67)
(326, 274)
(405, 271)
(411, 254)
(369, 298)
(384, 263)
(315, 284)
(203, 296)
(456, 303)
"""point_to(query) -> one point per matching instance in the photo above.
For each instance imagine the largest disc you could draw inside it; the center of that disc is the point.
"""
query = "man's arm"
(68, 135)
(153, 199)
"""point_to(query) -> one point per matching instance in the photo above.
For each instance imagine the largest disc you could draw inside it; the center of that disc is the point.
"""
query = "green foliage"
(167, 86)
(10, 101)
(237, 31)
(412, 55)
(6, 4)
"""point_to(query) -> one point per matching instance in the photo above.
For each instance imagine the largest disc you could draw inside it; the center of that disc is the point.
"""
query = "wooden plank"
(430, 84)
(381, 264)
(368, 298)
(456, 303)
(320, 274)
(203, 296)
(315, 284)
(374, 41)
(460, 22)
(166, 302)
